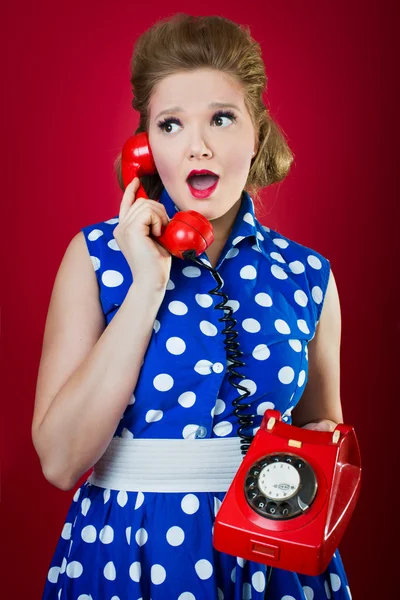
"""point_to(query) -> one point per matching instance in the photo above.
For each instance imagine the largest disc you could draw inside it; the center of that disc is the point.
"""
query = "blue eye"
(173, 121)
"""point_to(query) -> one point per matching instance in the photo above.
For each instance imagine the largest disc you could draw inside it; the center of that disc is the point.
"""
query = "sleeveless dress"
(120, 545)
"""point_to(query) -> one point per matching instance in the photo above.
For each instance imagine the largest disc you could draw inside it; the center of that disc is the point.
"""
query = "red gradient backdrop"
(66, 81)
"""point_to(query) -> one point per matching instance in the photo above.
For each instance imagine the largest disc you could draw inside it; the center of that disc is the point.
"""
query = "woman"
(134, 369)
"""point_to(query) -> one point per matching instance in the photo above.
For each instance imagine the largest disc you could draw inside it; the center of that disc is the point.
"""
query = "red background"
(68, 111)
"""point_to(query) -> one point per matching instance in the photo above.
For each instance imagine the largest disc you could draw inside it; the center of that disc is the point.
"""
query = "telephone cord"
(233, 353)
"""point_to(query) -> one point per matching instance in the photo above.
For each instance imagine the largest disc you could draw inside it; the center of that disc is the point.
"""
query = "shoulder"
(295, 255)
(102, 229)
(305, 266)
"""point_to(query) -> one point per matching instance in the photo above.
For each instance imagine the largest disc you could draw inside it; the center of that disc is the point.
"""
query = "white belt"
(163, 465)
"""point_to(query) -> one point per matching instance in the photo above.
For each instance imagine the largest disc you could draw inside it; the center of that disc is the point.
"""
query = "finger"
(155, 216)
(141, 203)
(128, 197)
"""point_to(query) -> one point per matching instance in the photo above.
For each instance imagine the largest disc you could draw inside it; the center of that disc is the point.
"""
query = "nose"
(198, 148)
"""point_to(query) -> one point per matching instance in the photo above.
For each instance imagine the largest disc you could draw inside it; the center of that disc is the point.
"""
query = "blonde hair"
(185, 43)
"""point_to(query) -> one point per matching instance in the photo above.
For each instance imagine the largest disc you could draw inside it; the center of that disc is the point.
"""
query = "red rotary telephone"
(292, 497)
(187, 230)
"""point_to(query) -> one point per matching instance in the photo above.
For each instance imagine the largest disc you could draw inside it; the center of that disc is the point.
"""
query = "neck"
(223, 225)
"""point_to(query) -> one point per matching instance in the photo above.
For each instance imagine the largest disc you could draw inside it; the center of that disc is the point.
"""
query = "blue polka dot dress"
(140, 545)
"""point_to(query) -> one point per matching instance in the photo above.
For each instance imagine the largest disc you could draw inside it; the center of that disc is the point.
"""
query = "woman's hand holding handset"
(150, 263)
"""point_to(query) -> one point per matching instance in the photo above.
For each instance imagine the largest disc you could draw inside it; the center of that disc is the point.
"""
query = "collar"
(246, 224)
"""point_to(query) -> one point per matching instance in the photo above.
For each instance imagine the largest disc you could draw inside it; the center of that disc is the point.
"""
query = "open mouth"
(202, 186)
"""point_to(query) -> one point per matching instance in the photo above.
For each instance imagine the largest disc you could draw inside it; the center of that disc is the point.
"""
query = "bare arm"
(320, 403)
(87, 371)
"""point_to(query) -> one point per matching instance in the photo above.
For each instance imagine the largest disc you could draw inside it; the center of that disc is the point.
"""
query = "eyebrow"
(176, 109)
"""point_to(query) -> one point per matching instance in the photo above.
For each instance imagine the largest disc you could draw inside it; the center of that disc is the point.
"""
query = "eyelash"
(220, 113)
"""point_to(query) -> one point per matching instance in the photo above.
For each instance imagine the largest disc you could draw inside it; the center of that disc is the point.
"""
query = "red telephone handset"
(187, 230)
(292, 497)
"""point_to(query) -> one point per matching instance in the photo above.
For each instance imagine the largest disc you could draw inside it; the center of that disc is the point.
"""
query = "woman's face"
(192, 134)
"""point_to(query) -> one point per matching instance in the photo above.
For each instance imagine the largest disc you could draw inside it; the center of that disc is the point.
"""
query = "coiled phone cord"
(233, 352)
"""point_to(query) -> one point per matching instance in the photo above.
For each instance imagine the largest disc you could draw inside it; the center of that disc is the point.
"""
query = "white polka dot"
(261, 408)
(106, 535)
(204, 300)
(302, 325)
(233, 574)
(286, 375)
(63, 565)
(106, 495)
(163, 382)
(53, 573)
(170, 285)
(175, 345)
(335, 582)
(112, 222)
(109, 571)
(223, 428)
(233, 304)
(189, 431)
(286, 597)
(175, 536)
(327, 590)
(261, 352)
(302, 378)
(95, 262)
(251, 325)
(95, 234)
(277, 256)
(248, 272)
(128, 532)
(232, 253)
(217, 505)
(263, 299)
(125, 433)
(157, 574)
(246, 592)
(112, 278)
(85, 506)
(177, 308)
(187, 399)
(317, 294)
(89, 534)
(295, 344)
(241, 561)
(301, 298)
(122, 498)
(258, 581)
(153, 416)
(238, 239)
(135, 571)
(113, 245)
(77, 494)
(278, 272)
(203, 568)
(208, 328)
(191, 272)
(308, 592)
(314, 262)
(141, 536)
(282, 327)
(280, 242)
(250, 385)
(248, 218)
(219, 407)
(186, 596)
(203, 367)
(296, 267)
(74, 569)
(139, 500)
(66, 532)
(190, 504)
